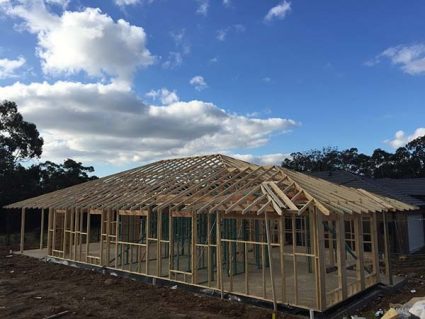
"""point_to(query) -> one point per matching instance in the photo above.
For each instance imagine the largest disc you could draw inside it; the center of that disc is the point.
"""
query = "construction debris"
(379, 313)
(418, 309)
(58, 315)
(391, 314)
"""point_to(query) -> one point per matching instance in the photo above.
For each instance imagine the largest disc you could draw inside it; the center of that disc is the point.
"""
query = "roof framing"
(213, 183)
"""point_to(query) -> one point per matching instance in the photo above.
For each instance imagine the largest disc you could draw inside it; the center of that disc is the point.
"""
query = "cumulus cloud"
(109, 122)
(198, 82)
(401, 138)
(85, 41)
(266, 159)
(8, 67)
(278, 12)
(165, 96)
(410, 58)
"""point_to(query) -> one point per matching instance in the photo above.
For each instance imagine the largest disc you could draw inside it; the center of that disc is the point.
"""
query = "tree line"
(406, 162)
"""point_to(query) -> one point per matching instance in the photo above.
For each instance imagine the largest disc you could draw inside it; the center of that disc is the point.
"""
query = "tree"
(19, 139)
(407, 161)
(328, 159)
(381, 164)
(56, 176)
(416, 148)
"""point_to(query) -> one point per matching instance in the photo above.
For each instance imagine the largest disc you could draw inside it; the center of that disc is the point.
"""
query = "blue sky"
(119, 83)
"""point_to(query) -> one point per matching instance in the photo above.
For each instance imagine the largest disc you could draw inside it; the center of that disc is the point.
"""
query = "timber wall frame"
(217, 222)
(311, 264)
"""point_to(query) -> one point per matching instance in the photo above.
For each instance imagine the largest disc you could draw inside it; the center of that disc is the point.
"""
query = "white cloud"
(126, 2)
(410, 58)
(180, 40)
(227, 3)
(278, 12)
(95, 122)
(88, 41)
(182, 48)
(165, 96)
(9, 67)
(266, 159)
(174, 60)
(203, 6)
(109, 122)
(198, 82)
(62, 3)
(221, 34)
(236, 28)
(401, 139)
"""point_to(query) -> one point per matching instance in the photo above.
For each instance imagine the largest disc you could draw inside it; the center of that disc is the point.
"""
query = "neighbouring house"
(215, 222)
(407, 231)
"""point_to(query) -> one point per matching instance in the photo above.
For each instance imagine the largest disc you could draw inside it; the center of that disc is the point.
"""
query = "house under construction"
(216, 222)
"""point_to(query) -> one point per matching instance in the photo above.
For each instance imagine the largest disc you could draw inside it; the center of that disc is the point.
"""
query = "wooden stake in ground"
(22, 230)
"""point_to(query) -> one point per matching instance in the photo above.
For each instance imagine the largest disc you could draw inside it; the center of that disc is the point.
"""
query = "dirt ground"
(30, 288)
(413, 269)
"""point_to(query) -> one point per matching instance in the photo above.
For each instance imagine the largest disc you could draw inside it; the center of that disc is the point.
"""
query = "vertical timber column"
(80, 234)
(193, 261)
(375, 253)
(320, 257)
(294, 257)
(49, 232)
(209, 262)
(171, 239)
(77, 231)
(358, 233)
(341, 259)
(71, 235)
(42, 229)
(21, 249)
(219, 264)
(117, 229)
(269, 247)
(65, 223)
(108, 238)
(282, 256)
(148, 221)
(388, 270)
(102, 231)
(158, 247)
(88, 236)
